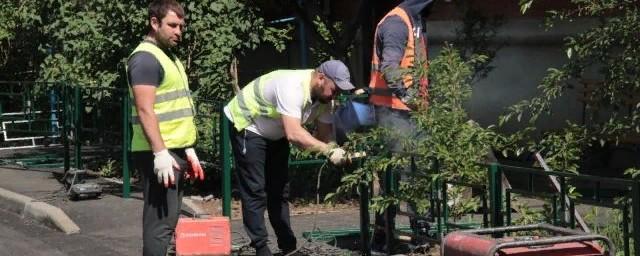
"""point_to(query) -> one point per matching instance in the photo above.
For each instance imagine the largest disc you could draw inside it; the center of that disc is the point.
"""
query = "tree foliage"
(18, 38)
(445, 137)
(610, 48)
(87, 42)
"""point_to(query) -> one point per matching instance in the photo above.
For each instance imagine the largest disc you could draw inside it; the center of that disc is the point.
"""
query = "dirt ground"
(213, 206)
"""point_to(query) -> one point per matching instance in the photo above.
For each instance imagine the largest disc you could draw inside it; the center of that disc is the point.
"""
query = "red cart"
(566, 242)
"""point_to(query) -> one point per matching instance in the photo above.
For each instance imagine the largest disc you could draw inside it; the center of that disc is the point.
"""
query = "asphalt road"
(22, 237)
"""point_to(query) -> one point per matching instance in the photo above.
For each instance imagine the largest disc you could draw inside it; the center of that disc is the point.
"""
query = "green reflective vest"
(251, 103)
(173, 105)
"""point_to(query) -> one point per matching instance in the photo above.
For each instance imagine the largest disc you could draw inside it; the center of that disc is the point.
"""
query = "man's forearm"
(297, 135)
(303, 139)
(151, 129)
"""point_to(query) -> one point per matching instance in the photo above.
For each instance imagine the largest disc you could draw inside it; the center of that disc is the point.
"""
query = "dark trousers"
(161, 205)
(263, 179)
(400, 122)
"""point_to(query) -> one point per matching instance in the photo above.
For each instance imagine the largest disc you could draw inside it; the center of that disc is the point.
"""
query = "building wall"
(528, 51)
(519, 66)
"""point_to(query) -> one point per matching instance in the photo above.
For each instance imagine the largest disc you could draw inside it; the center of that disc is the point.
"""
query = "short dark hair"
(160, 8)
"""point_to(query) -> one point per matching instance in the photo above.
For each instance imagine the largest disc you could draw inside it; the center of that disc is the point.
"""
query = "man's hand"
(337, 156)
(163, 165)
(195, 170)
(361, 91)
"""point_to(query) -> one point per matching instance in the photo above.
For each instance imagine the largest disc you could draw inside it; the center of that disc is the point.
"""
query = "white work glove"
(195, 170)
(163, 165)
(337, 156)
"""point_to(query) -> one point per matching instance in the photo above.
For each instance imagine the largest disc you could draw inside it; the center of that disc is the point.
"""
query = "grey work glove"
(163, 165)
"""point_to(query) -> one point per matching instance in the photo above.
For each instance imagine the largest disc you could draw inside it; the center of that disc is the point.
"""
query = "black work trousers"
(262, 175)
(161, 205)
(400, 122)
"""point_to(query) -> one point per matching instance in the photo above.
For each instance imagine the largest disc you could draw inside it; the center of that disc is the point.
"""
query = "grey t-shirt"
(144, 68)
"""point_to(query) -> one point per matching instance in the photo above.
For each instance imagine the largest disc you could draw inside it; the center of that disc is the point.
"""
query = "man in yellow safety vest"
(163, 126)
(266, 116)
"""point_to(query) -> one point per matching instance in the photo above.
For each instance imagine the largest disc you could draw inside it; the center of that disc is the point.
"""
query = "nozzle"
(357, 155)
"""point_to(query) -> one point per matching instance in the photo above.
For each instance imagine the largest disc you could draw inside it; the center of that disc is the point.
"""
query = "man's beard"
(324, 101)
(316, 96)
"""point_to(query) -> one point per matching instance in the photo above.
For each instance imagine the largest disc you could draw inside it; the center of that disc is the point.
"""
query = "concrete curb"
(42, 212)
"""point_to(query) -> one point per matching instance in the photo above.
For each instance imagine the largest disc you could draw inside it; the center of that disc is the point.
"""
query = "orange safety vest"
(381, 95)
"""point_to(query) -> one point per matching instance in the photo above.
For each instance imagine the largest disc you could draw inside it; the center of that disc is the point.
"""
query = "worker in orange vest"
(399, 45)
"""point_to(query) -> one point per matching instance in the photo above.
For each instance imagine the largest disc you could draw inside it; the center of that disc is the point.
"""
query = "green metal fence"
(29, 114)
(528, 185)
(30, 117)
(88, 123)
(592, 186)
(64, 125)
(96, 128)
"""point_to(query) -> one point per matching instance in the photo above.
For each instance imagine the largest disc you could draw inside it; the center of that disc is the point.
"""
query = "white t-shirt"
(287, 94)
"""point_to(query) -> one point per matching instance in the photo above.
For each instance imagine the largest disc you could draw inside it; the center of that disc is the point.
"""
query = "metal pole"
(434, 190)
(364, 220)
(226, 165)
(388, 190)
(445, 206)
(554, 210)
(485, 210)
(495, 182)
(126, 144)
(563, 196)
(507, 201)
(64, 116)
(53, 105)
(625, 229)
(572, 217)
(77, 126)
(303, 40)
(636, 217)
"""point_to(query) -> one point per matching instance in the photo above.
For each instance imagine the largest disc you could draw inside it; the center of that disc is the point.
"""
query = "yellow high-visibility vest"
(173, 105)
(251, 103)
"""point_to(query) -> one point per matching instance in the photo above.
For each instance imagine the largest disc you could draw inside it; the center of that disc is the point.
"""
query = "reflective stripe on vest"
(173, 105)
(251, 103)
(381, 94)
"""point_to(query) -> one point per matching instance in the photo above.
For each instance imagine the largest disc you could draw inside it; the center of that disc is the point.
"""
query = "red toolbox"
(567, 242)
(210, 237)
